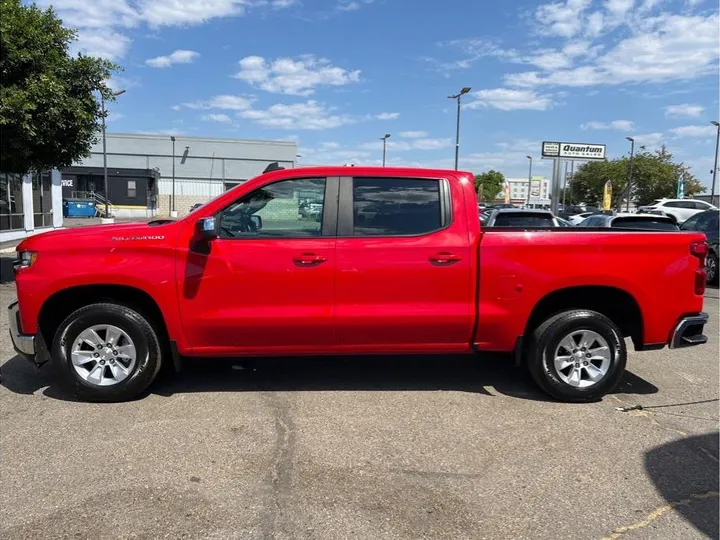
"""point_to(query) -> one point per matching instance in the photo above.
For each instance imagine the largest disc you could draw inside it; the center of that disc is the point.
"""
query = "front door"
(267, 283)
(404, 269)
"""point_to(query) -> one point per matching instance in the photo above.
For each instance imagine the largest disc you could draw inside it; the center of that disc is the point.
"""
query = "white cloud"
(413, 134)
(352, 5)
(222, 118)
(294, 77)
(706, 131)
(179, 56)
(103, 44)
(619, 8)
(227, 102)
(649, 139)
(308, 115)
(508, 99)
(686, 109)
(663, 48)
(619, 125)
(562, 18)
(102, 24)
(387, 116)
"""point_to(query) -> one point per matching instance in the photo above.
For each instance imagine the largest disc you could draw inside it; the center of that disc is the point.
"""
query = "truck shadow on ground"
(685, 473)
(486, 374)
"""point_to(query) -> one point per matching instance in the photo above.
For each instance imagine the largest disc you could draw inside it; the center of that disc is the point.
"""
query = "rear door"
(404, 270)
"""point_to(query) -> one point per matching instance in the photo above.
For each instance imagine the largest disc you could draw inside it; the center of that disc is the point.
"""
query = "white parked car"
(577, 218)
(679, 209)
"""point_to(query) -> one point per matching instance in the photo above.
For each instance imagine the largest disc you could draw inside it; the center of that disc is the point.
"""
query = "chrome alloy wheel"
(710, 268)
(582, 358)
(103, 355)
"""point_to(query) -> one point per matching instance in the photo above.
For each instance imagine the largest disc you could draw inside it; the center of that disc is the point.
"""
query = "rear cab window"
(398, 206)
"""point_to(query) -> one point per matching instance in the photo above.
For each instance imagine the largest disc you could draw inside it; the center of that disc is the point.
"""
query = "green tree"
(654, 176)
(49, 116)
(489, 184)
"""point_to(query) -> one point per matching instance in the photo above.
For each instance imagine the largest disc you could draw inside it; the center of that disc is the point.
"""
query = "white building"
(29, 204)
(539, 190)
(140, 170)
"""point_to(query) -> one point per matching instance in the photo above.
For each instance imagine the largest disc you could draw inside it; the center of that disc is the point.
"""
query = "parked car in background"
(708, 223)
(651, 222)
(195, 207)
(563, 222)
(577, 218)
(518, 217)
(679, 209)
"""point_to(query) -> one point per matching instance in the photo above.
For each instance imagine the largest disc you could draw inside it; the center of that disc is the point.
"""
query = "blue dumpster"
(78, 208)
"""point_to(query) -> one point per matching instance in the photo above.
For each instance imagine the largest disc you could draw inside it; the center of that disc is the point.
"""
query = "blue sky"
(335, 75)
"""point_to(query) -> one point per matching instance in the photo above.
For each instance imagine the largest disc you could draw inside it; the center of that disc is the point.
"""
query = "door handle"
(309, 259)
(444, 258)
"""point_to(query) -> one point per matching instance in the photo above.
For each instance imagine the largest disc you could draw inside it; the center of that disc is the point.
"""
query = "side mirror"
(257, 221)
(206, 228)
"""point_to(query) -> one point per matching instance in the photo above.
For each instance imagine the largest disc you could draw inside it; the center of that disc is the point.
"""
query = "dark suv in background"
(707, 222)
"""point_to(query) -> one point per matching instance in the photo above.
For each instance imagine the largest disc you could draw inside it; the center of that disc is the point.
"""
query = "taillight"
(700, 251)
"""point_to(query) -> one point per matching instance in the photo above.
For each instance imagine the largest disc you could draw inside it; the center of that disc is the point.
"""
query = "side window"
(396, 206)
(692, 224)
(287, 209)
(674, 204)
(699, 205)
(131, 189)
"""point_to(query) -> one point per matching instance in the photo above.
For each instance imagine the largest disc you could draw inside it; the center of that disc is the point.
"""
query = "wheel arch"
(64, 302)
(616, 304)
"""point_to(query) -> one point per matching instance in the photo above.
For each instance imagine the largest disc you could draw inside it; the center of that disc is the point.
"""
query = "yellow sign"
(607, 195)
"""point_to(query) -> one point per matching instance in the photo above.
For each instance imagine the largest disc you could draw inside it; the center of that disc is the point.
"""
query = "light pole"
(384, 140)
(527, 203)
(173, 212)
(715, 163)
(465, 90)
(630, 171)
(105, 183)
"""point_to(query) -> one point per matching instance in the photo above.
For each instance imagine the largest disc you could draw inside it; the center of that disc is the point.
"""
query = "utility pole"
(527, 202)
(630, 171)
(715, 163)
(384, 140)
(104, 140)
(457, 97)
(173, 212)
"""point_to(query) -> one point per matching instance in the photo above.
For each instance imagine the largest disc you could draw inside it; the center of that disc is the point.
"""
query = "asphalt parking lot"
(364, 448)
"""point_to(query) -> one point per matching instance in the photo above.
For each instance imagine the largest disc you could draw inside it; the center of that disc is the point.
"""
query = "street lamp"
(527, 203)
(105, 182)
(465, 90)
(715, 163)
(384, 140)
(173, 212)
(630, 171)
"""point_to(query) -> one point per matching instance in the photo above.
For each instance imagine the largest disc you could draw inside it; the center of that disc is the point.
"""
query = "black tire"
(545, 339)
(713, 259)
(144, 337)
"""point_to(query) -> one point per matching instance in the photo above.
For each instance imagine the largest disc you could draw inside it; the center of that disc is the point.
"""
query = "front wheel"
(106, 352)
(577, 356)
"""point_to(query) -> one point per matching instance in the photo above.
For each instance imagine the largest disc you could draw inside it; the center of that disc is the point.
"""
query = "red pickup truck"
(339, 260)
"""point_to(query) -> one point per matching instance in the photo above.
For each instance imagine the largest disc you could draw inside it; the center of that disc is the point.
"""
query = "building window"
(131, 189)
(11, 202)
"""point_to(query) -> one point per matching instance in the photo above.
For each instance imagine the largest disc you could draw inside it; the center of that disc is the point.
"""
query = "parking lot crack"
(279, 478)
(658, 512)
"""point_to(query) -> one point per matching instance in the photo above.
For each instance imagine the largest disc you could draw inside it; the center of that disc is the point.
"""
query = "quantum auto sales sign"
(573, 150)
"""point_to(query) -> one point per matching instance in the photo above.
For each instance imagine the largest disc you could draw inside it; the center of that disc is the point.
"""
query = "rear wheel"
(106, 352)
(577, 356)
(711, 268)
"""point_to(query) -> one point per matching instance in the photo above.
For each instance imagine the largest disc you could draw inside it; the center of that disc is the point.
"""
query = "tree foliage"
(489, 184)
(49, 116)
(654, 176)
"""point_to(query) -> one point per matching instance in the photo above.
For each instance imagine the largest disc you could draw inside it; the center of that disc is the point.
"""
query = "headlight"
(26, 259)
